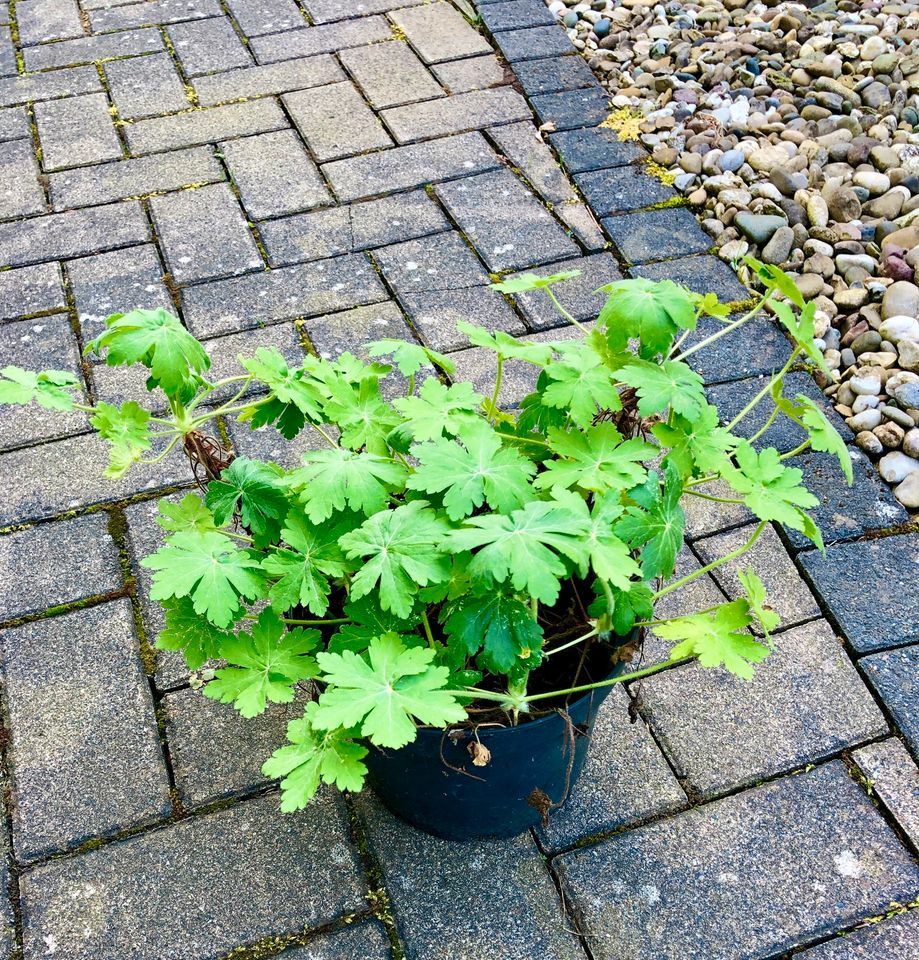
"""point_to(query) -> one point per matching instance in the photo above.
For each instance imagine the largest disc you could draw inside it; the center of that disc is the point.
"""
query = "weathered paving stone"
(116, 282)
(76, 130)
(21, 194)
(335, 121)
(204, 126)
(577, 296)
(422, 872)
(436, 313)
(85, 751)
(206, 46)
(894, 675)
(306, 290)
(203, 234)
(267, 80)
(888, 574)
(787, 593)
(457, 114)
(804, 703)
(625, 780)
(534, 159)
(594, 148)
(401, 168)
(47, 86)
(199, 888)
(43, 20)
(8, 65)
(42, 343)
(155, 12)
(69, 53)
(274, 175)
(810, 854)
(390, 74)
(145, 86)
(894, 779)
(14, 124)
(513, 230)
(327, 38)
(56, 563)
(703, 274)
(441, 262)
(47, 480)
(348, 332)
(438, 32)
(30, 290)
(225, 351)
(60, 236)
(756, 349)
(534, 43)
(256, 17)
(570, 109)
(474, 73)
(368, 941)
(657, 235)
(265, 443)
(325, 11)
(215, 752)
(897, 938)
(358, 226)
(704, 517)
(156, 173)
(578, 218)
(554, 75)
(621, 189)
(515, 14)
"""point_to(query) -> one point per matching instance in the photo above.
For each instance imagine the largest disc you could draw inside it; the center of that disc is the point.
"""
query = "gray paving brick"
(554, 75)
(225, 351)
(810, 854)
(125, 16)
(657, 235)
(515, 14)
(704, 517)
(456, 114)
(145, 86)
(70, 53)
(206, 46)
(404, 167)
(441, 262)
(595, 148)
(43, 343)
(894, 779)
(56, 563)
(422, 872)
(86, 761)
(47, 86)
(577, 296)
(265, 443)
(8, 65)
(204, 126)
(30, 290)
(327, 38)
(513, 229)
(75, 131)
(156, 895)
(305, 290)
(897, 938)
(215, 752)
(266, 80)
(338, 333)
(368, 941)
(570, 109)
(625, 780)
(203, 234)
(72, 234)
(518, 142)
(14, 124)
(438, 32)
(274, 175)
(116, 282)
(894, 675)
(756, 349)
(21, 194)
(474, 73)
(326, 11)
(335, 121)
(871, 589)
(390, 74)
(256, 17)
(622, 189)
(156, 173)
(805, 703)
(436, 313)
(703, 274)
(43, 20)
(358, 226)
(534, 43)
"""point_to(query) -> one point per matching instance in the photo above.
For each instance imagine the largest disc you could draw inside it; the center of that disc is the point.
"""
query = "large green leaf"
(669, 385)
(652, 311)
(254, 489)
(581, 384)
(52, 389)
(500, 626)
(596, 460)
(437, 409)
(698, 446)
(185, 630)
(656, 525)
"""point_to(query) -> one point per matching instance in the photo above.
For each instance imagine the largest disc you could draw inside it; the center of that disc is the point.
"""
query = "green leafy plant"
(437, 553)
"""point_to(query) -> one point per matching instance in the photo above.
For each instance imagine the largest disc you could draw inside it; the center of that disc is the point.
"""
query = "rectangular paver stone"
(657, 235)
(514, 14)
(439, 32)
(570, 109)
(21, 194)
(390, 74)
(534, 43)
(894, 779)
(199, 888)
(145, 86)
(746, 878)
(534, 159)
(554, 75)
(422, 872)
(474, 73)
(206, 46)
(68, 53)
(594, 148)
(326, 38)
(442, 262)
(270, 79)
(43, 20)
(29, 290)
(338, 333)
(435, 313)
(702, 274)
(203, 234)
(621, 189)
(47, 86)
(85, 750)
(897, 938)
(125, 16)
(14, 124)
(758, 348)
(894, 675)
(256, 17)
(274, 174)
(325, 11)
(512, 229)
(456, 114)
(76, 130)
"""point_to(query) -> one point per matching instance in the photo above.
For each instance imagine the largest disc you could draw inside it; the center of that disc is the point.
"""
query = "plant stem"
(708, 496)
(162, 456)
(800, 448)
(427, 630)
(562, 311)
(325, 436)
(497, 390)
(411, 384)
(304, 623)
(571, 643)
(724, 330)
(534, 609)
(224, 411)
(769, 421)
(622, 678)
(777, 378)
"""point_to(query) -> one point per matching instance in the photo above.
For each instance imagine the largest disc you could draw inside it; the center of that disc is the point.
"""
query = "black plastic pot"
(433, 784)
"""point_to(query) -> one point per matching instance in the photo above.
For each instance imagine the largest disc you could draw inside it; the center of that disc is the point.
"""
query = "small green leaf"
(506, 346)
(185, 630)
(696, 446)
(410, 357)
(671, 384)
(500, 626)
(438, 409)
(801, 330)
(288, 386)
(530, 281)
(755, 593)
(652, 311)
(254, 489)
(822, 434)
(127, 429)
(656, 525)
(189, 513)
(51, 389)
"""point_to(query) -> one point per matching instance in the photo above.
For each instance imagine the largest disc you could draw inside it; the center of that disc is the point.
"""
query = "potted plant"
(457, 584)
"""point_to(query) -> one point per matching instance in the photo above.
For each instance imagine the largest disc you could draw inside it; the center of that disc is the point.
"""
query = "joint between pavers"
(270, 946)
